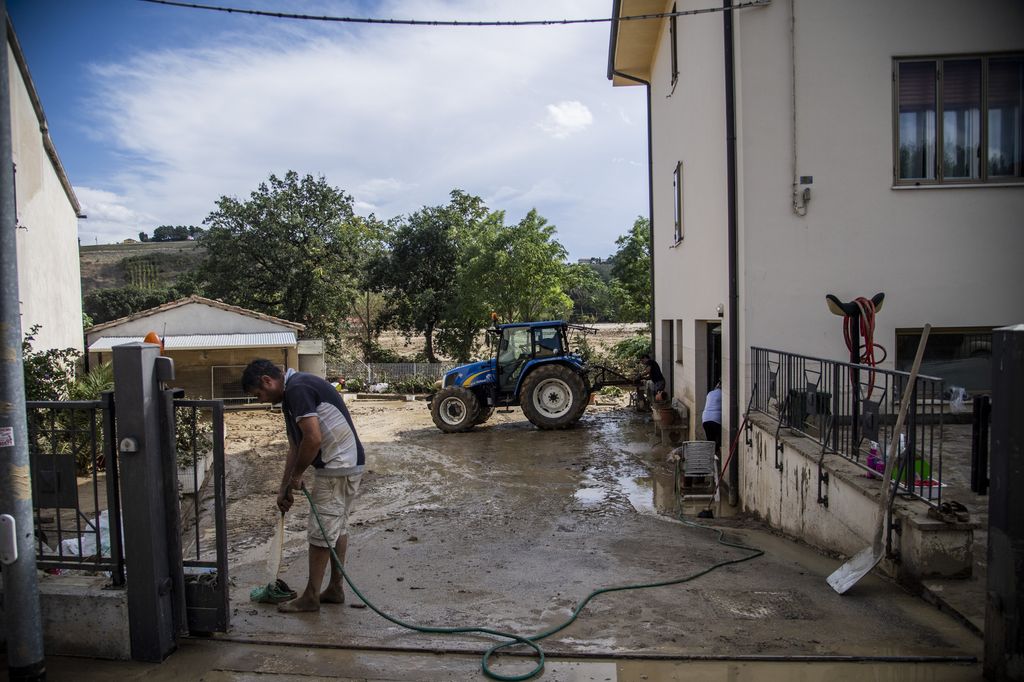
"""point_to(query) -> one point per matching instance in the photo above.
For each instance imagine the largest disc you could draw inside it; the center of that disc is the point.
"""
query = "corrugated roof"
(204, 341)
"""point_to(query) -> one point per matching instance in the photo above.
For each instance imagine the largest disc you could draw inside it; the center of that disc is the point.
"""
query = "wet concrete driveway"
(509, 527)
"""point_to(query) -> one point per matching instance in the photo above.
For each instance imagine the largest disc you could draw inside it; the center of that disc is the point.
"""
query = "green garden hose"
(531, 641)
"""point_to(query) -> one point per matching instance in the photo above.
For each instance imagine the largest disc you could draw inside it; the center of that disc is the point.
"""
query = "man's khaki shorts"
(333, 497)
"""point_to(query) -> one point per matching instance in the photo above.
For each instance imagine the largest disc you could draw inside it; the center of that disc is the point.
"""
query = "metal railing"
(75, 491)
(850, 410)
(384, 372)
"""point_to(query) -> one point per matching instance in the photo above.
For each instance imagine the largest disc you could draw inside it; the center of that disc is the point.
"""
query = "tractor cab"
(518, 344)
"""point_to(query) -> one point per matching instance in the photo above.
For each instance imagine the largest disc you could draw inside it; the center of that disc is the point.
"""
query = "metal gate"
(199, 455)
(75, 487)
(78, 498)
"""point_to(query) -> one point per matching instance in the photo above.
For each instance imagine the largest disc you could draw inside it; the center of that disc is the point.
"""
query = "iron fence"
(75, 493)
(850, 410)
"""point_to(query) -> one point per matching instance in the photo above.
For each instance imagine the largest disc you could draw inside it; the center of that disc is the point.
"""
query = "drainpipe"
(734, 318)
(22, 615)
(612, 72)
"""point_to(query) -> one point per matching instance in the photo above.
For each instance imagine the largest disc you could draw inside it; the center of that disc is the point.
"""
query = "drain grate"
(760, 604)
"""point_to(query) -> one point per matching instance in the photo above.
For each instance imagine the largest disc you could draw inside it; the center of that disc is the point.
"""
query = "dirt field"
(606, 335)
(511, 527)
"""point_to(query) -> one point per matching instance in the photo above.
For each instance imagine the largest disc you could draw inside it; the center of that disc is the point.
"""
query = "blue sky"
(158, 111)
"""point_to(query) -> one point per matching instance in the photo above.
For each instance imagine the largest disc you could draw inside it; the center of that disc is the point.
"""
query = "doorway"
(714, 361)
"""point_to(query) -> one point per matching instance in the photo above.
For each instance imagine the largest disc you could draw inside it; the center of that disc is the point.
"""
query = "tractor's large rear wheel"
(553, 397)
(454, 409)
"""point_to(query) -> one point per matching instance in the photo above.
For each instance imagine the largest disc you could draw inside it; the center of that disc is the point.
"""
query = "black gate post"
(151, 616)
(1004, 602)
(979, 444)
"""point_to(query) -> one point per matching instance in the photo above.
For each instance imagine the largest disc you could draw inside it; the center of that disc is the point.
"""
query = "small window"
(677, 189)
(673, 47)
(679, 342)
(960, 356)
(959, 120)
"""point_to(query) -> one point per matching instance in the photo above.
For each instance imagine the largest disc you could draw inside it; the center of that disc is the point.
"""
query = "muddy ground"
(510, 527)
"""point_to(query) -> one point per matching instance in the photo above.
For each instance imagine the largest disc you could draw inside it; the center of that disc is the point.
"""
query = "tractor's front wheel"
(553, 397)
(454, 409)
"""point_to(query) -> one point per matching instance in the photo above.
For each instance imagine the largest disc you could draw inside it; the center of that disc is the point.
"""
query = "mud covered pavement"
(510, 527)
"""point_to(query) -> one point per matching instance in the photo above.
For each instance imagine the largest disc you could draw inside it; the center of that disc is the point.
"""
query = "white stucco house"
(49, 279)
(878, 147)
(211, 342)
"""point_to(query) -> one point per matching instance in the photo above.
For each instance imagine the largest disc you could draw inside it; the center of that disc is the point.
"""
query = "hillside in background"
(147, 265)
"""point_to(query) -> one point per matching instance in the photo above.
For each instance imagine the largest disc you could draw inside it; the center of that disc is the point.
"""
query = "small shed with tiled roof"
(210, 343)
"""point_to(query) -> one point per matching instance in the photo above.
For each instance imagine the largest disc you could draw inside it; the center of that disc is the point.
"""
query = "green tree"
(631, 273)
(291, 250)
(526, 280)
(49, 374)
(419, 270)
(104, 305)
(175, 233)
(591, 296)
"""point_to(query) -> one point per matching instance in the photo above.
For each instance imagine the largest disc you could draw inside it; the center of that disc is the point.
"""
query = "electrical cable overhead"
(444, 22)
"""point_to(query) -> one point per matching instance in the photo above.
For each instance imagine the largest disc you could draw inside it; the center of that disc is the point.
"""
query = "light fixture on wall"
(721, 310)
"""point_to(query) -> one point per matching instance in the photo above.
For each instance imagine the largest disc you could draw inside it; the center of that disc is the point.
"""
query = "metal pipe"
(22, 614)
(734, 322)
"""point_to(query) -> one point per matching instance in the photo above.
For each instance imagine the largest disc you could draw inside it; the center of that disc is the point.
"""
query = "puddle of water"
(590, 496)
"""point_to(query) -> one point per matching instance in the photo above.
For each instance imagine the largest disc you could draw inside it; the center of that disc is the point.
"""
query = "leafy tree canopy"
(294, 249)
(526, 279)
(631, 272)
(419, 270)
(104, 305)
(172, 233)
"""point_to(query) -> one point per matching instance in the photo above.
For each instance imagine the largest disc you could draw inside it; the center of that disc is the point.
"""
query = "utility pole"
(22, 615)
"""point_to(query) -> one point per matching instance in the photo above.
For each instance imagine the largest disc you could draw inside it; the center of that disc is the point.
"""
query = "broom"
(276, 590)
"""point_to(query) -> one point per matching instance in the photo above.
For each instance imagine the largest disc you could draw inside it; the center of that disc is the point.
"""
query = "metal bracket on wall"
(783, 416)
(822, 481)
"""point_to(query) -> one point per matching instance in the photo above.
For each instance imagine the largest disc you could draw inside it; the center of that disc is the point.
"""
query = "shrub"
(49, 374)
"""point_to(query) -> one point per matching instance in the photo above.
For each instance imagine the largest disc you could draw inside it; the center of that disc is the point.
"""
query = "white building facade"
(879, 148)
(49, 278)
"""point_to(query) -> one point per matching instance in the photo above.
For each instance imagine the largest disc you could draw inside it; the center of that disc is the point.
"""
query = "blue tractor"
(533, 368)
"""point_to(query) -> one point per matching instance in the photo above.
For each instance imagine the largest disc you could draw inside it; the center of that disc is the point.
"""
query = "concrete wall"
(82, 618)
(311, 357)
(945, 255)
(48, 270)
(787, 499)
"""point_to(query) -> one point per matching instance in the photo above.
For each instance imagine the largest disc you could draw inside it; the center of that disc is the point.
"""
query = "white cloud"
(396, 116)
(566, 118)
(110, 218)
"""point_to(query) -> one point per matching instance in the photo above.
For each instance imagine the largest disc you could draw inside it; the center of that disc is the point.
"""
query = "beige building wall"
(948, 256)
(691, 278)
(49, 281)
(945, 255)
